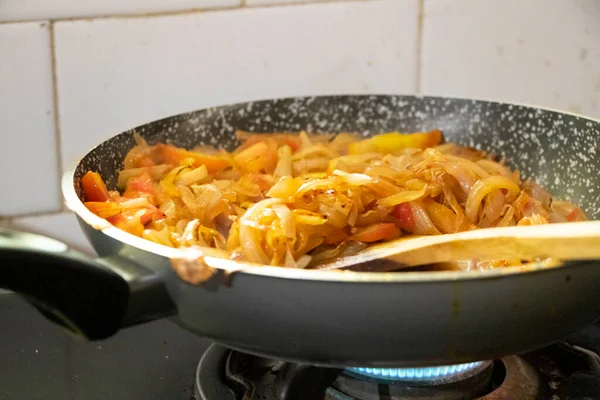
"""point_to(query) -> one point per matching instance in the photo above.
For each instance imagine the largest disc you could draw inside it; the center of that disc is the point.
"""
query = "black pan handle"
(91, 298)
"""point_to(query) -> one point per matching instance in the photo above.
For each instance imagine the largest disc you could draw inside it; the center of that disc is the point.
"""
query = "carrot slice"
(175, 155)
(376, 232)
(104, 209)
(94, 187)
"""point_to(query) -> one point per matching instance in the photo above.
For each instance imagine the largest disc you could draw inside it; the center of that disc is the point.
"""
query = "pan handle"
(91, 298)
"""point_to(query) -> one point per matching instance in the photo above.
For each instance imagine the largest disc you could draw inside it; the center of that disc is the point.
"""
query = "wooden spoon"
(560, 241)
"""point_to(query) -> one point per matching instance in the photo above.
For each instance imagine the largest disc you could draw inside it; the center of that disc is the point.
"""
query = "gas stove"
(566, 370)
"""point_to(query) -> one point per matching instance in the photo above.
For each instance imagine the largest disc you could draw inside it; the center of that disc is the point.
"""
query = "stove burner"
(558, 372)
(453, 382)
(425, 376)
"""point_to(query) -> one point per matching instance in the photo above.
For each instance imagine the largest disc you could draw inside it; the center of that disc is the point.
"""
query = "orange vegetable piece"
(141, 183)
(94, 187)
(152, 214)
(376, 232)
(175, 155)
(253, 159)
(128, 221)
(104, 209)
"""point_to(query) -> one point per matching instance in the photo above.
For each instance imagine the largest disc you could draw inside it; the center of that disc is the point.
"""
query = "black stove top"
(160, 361)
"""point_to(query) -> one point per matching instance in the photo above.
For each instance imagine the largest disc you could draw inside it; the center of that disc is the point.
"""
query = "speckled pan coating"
(561, 151)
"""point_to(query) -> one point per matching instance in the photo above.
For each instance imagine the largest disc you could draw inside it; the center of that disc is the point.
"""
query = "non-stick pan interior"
(560, 151)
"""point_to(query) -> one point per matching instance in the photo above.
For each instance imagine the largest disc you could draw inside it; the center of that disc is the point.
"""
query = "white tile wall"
(116, 73)
(11, 10)
(544, 52)
(28, 155)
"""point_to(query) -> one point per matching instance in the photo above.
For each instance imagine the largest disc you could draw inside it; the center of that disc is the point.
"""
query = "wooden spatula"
(561, 241)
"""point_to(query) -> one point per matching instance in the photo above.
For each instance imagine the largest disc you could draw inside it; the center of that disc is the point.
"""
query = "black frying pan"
(328, 317)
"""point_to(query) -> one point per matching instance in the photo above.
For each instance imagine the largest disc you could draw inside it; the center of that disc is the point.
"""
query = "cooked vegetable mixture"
(298, 200)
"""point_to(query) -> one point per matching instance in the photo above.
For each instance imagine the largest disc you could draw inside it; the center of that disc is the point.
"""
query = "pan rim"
(74, 204)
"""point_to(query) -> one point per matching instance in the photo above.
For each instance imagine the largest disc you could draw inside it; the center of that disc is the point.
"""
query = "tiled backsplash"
(79, 72)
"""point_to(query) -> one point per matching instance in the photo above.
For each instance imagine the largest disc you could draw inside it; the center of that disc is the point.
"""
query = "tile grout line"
(419, 58)
(150, 14)
(304, 2)
(57, 132)
(36, 214)
(166, 13)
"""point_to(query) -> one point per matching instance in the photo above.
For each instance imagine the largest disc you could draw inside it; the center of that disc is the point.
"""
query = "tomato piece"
(376, 232)
(94, 187)
(406, 219)
(104, 209)
(395, 142)
(141, 183)
(152, 214)
(128, 221)
(175, 155)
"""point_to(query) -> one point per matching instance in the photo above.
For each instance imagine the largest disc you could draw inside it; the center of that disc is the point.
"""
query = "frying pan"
(328, 318)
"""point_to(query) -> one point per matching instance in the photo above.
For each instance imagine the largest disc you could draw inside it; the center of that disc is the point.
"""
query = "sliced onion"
(284, 162)
(423, 224)
(156, 172)
(190, 233)
(508, 214)
(465, 179)
(312, 151)
(193, 176)
(303, 261)
(494, 168)
(482, 188)
(139, 140)
(493, 205)
(310, 164)
(402, 197)
(286, 219)
(161, 237)
(249, 236)
(469, 165)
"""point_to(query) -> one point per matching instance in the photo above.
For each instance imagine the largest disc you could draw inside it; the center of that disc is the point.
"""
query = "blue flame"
(416, 374)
